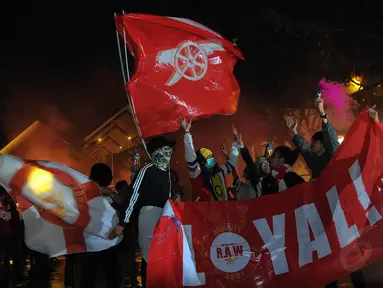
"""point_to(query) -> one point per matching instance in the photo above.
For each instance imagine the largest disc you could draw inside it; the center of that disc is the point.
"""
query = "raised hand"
(292, 124)
(319, 103)
(235, 132)
(185, 124)
(240, 142)
(373, 114)
(115, 232)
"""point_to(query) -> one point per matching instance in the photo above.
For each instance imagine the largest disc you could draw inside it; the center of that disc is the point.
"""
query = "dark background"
(60, 58)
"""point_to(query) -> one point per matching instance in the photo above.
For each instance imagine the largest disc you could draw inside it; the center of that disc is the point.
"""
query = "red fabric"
(226, 235)
(280, 172)
(161, 47)
(199, 191)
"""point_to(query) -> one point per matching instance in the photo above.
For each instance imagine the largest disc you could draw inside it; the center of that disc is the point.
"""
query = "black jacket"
(269, 184)
(150, 187)
(314, 162)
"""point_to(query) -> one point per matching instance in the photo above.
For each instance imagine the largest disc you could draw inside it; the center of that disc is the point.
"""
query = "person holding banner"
(207, 177)
(323, 146)
(150, 190)
(373, 114)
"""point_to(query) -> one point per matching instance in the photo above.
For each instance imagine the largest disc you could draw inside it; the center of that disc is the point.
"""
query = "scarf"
(279, 173)
(161, 158)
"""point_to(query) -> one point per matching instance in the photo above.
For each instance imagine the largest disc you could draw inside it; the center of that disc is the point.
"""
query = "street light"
(354, 84)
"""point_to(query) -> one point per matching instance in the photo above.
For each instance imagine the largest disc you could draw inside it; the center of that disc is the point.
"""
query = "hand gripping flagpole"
(126, 78)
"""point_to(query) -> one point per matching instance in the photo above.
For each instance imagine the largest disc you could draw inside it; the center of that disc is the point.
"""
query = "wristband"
(323, 116)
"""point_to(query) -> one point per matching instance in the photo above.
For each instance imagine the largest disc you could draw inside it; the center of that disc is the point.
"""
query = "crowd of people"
(140, 203)
(15, 256)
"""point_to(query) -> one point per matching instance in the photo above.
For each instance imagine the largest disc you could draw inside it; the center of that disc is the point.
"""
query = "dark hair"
(318, 136)
(121, 184)
(101, 174)
(206, 173)
(159, 142)
(286, 153)
(269, 185)
(200, 159)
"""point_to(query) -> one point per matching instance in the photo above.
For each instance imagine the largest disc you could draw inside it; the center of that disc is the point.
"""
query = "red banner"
(182, 69)
(308, 235)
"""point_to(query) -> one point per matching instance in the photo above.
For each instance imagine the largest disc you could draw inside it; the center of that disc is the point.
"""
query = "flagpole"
(126, 78)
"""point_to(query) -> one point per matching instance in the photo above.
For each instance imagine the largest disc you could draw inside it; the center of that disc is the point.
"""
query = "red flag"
(306, 236)
(182, 69)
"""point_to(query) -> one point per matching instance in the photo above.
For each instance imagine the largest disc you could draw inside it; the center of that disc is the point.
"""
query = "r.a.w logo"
(230, 253)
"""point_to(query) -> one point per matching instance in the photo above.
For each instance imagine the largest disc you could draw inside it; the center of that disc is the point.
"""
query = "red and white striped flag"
(63, 211)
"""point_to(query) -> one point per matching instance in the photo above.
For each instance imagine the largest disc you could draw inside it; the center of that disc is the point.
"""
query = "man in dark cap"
(150, 190)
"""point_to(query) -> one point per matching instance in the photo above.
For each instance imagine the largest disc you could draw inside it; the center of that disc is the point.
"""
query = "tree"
(297, 53)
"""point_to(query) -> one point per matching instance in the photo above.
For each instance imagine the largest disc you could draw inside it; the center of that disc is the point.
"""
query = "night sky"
(63, 55)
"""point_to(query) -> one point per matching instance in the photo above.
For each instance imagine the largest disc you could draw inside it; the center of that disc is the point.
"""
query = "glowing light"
(355, 84)
(340, 139)
(99, 139)
(40, 181)
(120, 147)
(129, 138)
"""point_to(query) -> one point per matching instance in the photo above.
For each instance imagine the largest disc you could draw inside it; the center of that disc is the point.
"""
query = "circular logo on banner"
(230, 252)
(356, 256)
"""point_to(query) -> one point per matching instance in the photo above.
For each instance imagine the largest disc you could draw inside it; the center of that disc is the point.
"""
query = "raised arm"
(330, 135)
(330, 138)
(190, 156)
(234, 155)
(245, 153)
(298, 140)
